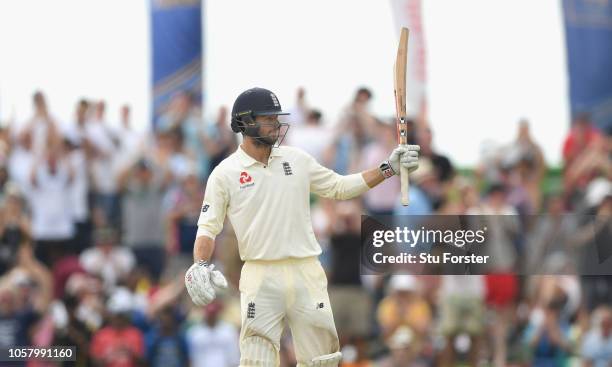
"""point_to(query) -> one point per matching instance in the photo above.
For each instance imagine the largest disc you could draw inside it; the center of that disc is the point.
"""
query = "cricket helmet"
(250, 104)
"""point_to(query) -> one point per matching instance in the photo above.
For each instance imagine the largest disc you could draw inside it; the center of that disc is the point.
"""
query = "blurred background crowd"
(97, 223)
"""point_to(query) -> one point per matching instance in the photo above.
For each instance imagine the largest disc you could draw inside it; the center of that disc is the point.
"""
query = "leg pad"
(256, 351)
(328, 360)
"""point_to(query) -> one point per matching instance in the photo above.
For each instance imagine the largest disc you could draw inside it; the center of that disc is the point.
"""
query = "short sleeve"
(214, 207)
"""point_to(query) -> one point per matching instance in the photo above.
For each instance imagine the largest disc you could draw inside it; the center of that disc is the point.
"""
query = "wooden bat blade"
(399, 79)
(399, 75)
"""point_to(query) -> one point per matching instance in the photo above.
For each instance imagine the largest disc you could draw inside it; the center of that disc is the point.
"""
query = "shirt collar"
(276, 152)
(246, 160)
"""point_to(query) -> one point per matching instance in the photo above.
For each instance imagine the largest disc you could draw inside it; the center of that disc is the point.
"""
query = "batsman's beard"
(274, 138)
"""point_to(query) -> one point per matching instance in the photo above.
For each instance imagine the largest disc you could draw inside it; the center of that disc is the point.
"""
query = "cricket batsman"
(264, 189)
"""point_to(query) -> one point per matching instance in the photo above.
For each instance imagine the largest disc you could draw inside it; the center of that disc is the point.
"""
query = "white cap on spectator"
(597, 191)
(401, 338)
(120, 301)
(403, 283)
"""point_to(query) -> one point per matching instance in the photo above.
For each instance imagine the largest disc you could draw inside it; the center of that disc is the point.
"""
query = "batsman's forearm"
(203, 248)
(372, 177)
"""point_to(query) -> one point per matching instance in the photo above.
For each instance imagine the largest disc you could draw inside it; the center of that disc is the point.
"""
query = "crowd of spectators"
(98, 220)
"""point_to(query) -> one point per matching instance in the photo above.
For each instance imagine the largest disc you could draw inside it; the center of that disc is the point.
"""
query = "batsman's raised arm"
(327, 183)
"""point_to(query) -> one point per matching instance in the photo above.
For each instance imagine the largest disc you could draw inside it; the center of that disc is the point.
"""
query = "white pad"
(256, 351)
(328, 360)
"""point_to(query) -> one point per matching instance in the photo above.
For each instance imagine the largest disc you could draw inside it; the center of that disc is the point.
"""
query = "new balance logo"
(320, 305)
(205, 208)
(287, 169)
(251, 310)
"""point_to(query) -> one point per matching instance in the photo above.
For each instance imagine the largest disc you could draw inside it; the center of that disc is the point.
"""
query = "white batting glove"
(201, 280)
(405, 155)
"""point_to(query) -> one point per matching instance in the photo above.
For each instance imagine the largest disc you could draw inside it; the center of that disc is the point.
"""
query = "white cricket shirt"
(269, 205)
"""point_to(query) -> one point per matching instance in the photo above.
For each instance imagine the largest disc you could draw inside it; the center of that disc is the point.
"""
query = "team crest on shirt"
(245, 180)
(287, 169)
(274, 100)
(251, 310)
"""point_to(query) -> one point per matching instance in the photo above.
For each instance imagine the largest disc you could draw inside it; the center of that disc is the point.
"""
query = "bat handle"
(404, 184)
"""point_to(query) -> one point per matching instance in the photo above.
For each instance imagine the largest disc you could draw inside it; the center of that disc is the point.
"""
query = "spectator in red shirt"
(580, 136)
(118, 344)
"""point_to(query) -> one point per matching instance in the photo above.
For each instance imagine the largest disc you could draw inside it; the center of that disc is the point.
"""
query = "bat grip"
(404, 184)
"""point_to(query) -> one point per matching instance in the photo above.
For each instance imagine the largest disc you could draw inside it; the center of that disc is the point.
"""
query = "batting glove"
(405, 155)
(201, 280)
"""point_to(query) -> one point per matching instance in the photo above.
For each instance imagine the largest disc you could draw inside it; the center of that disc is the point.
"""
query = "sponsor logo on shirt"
(205, 208)
(320, 305)
(245, 180)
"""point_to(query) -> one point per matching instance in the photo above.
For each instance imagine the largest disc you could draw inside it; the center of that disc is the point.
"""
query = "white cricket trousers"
(274, 291)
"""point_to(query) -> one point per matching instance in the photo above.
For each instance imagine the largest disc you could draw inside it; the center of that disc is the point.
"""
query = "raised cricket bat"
(399, 78)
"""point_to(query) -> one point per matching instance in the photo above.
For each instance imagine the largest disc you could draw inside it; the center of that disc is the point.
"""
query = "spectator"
(352, 133)
(42, 127)
(130, 141)
(5, 145)
(74, 332)
(299, 112)
(88, 290)
(503, 228)
(553, 233)
(103, 147)
(15, 228)
(213, 343)
(172, 154)
(526, 155)
(185, 209)
(25, 294)
(404, 307)
(404, 350)
(183, 121)
(581, 135)
(590, 164)
(461, 307)
(312, 137)
(143, 187)
(442, 166)
(597, 343)
(77, 131)
(166, 344)
(118, 344)
(107, 260)
(359, 109)
(21, 161)
(352, 305)
(547, 335)
(219, 141)
(52, 223)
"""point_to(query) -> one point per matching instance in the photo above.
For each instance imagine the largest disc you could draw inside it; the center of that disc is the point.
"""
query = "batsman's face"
(269, 127)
